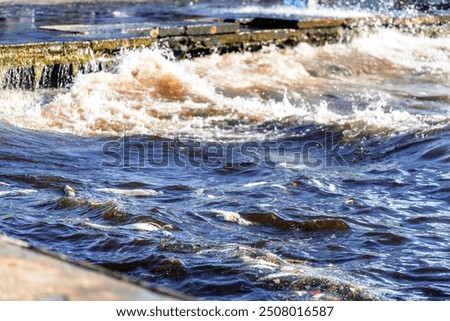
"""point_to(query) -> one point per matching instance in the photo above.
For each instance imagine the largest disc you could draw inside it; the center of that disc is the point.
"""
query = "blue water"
(21, 23)
(288, 174)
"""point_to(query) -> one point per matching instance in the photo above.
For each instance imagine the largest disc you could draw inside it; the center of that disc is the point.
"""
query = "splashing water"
(245, 211)
(152, 95)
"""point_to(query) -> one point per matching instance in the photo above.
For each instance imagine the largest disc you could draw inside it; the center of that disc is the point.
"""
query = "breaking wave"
(361, 87)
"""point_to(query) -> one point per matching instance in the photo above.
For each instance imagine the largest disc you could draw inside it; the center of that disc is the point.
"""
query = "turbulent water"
(285, 174)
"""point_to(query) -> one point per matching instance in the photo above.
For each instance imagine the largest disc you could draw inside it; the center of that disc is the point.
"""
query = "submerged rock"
(318, 225)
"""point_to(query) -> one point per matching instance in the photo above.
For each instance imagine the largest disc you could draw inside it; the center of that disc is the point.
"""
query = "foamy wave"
(148, 95)
(378, 118)
(232, 96)
(130, 192)
(21, 108)
(421, 54)
(145, 227)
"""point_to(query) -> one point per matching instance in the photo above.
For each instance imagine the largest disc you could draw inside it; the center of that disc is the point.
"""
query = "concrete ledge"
(28, 273)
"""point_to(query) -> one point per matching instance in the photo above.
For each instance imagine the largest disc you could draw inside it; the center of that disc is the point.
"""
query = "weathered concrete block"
(166, 31)
(28, 273)
(212, 29)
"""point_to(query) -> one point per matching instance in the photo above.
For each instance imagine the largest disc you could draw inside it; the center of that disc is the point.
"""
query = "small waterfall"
(19, 77)
(56, 76)
(32, 77)
(50, 76)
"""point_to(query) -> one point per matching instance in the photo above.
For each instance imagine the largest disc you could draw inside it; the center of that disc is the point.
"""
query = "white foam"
(130, 192)
(146, 227)
(254, 184)
(21, 108)
(232, 217)
(279, 186)
(414, 52)
(260, 264)
(120, 14)
(141, 227)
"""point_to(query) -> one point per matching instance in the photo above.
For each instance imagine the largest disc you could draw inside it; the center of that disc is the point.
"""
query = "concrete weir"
(30, 273)
(55, 64)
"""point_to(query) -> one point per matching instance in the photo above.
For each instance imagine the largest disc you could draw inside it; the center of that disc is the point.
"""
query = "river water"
(284, 174)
